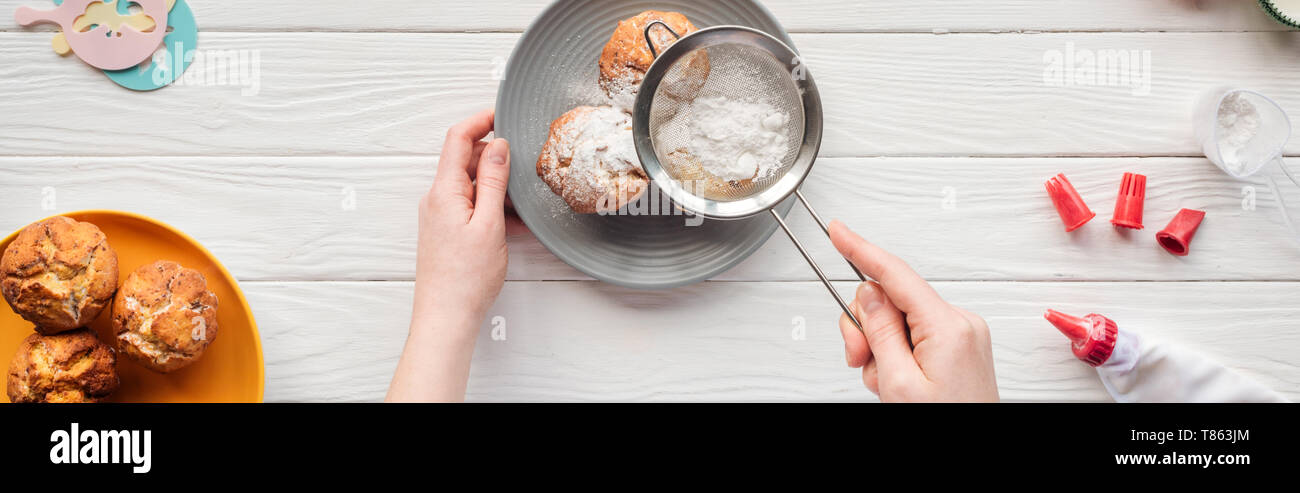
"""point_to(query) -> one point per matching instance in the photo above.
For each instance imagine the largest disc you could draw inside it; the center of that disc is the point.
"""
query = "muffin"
(589, 160)
(687, 170)
(627, 57)
(59, 274)
(68, 367)
(164, 316)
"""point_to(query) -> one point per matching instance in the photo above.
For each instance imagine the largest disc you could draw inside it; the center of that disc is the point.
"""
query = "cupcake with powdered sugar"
(589, 160)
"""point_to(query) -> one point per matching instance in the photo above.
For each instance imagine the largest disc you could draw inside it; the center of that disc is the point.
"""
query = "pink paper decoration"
(98, 47)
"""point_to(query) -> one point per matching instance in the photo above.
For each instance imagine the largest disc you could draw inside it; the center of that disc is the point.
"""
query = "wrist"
(452, 325)
(436, 358)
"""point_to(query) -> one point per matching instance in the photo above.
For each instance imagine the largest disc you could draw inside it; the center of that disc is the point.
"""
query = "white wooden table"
(941, 129)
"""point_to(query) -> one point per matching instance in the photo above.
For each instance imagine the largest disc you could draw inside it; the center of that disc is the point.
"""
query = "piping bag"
(1135, 369)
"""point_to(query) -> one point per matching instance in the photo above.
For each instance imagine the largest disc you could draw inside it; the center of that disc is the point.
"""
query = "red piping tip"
(1132, 196)
(1074, 212)
(1076, 328)
(1177, 237)
(1092, 337)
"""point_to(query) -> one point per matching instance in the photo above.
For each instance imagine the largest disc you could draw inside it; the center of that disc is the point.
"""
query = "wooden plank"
(395, 94)
(799, 16)
(929, 15)
(285, 218)
(731, 342)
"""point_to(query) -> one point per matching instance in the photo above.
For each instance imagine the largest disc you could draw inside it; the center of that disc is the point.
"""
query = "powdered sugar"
(1238, 123)
(732, 139)
(622, 93)
(601, 143)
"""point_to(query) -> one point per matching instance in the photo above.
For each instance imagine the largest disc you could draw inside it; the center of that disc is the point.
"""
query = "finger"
(493, 179)
(515, 225)
(975, 321)
(467, 188)
(886, 332)
(856, 349)
(454, 164)
(970, 317)
(474, 158)
(871, 377)
(908, 291)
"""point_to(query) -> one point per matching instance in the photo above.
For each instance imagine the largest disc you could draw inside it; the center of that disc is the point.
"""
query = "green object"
(1288, 18)
(180, 44)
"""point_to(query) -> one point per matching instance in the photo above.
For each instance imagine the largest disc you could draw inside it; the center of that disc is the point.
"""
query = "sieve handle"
(653, 52)
(820, 222)
(843, 306)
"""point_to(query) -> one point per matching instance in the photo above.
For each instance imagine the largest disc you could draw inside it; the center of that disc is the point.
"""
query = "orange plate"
(231, 369)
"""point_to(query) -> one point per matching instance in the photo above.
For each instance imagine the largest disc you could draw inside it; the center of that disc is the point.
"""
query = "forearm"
(460, 263)
(435, 362)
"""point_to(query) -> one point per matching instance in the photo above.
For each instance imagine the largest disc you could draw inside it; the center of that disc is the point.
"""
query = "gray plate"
(552, 70)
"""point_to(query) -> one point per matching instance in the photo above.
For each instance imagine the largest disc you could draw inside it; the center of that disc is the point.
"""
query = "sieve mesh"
(733, 63)
(733, 71)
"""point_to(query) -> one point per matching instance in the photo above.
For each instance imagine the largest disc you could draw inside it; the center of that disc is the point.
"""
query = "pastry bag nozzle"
(1177, 237)
(1093, 336)
(1132, 196)
(1074, 212)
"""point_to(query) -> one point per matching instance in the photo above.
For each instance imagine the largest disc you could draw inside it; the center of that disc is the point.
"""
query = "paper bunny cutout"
(100, 47)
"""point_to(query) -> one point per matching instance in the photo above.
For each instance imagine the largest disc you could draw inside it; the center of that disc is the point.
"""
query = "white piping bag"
(1134, 369)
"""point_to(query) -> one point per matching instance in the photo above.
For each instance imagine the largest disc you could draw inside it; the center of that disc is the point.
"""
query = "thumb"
(492, 181)
(886, 331)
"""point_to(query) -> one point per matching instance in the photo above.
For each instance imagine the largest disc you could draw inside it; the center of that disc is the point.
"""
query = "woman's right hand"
(913, 346)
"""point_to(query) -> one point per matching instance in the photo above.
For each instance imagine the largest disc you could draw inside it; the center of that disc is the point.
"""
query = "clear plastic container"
(1266, 147)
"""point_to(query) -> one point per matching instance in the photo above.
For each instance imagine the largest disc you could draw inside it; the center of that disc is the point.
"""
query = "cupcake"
(164, 316)
(59, 274)
(590, 162)
(627, 57)
(69, 367)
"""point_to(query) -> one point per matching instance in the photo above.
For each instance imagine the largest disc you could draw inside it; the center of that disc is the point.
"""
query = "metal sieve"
(737, 63)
